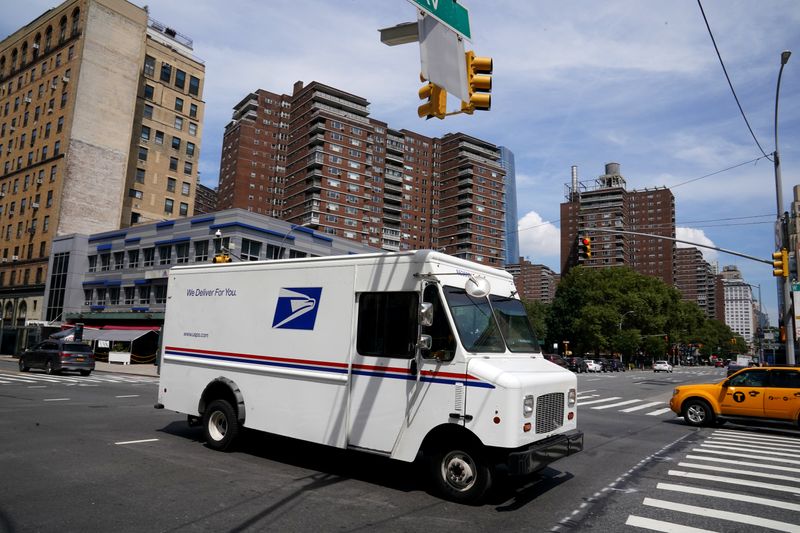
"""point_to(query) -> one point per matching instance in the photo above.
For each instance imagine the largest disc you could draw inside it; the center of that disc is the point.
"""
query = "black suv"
(576, 364)
(55, 355)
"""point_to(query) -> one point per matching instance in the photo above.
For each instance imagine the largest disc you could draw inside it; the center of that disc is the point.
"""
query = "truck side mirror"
(425, 314)
(425, 342)
(478, 287)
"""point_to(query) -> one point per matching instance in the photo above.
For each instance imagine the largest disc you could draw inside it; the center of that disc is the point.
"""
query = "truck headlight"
(527, 406)
(572, 398)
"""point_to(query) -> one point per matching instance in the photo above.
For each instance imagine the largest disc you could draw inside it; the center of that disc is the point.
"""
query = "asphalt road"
(81, 454)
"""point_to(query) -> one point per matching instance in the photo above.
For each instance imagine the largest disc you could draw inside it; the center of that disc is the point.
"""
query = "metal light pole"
(784, 289)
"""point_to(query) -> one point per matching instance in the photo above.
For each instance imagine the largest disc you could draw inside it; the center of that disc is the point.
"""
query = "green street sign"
(449, 13)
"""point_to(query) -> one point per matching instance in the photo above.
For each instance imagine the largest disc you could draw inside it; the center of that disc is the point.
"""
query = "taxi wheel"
(698, 413)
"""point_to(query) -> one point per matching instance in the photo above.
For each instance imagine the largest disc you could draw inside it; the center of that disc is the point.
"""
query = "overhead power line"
(730, 84)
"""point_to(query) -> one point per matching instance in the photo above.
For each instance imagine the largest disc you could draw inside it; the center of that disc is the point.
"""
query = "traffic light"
(436, 106)
(781, 263)
(221, 258)
(587, 247)
(479, 83)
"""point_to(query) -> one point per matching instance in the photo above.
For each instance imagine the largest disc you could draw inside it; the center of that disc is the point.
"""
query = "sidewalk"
(137, 370)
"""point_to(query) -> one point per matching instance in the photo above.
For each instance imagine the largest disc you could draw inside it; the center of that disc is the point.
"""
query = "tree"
(537, 314)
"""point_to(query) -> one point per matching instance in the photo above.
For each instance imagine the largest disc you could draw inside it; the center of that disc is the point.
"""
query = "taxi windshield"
(490, 325)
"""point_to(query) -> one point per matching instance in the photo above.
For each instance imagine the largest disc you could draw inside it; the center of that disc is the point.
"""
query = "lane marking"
(37, 386)
(735, 481)
(749, 456)
(600, 401)
(609, 406)
(716, 468)
(127, 396)
(135, 441)
(782, 468)
(736, 496)
(56, 399)
(723, 515)
(638, 407)
(659, 412)
(659, 525)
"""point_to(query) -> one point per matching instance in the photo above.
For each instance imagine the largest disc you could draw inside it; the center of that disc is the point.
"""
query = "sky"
(575, 82)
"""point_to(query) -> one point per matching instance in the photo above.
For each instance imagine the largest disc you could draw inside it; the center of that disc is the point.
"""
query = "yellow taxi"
(770, 393)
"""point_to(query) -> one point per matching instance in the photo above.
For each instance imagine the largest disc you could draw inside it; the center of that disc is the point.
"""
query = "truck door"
(383, 370)
(744, 394)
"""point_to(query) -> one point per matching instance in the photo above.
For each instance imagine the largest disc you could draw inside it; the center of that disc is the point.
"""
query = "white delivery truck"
(397, 354)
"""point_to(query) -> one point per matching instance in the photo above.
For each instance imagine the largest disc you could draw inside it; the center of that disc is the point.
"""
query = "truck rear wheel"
(220, 425)
(461, 474)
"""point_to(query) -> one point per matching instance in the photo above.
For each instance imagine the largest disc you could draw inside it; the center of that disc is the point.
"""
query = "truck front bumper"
(538, 455)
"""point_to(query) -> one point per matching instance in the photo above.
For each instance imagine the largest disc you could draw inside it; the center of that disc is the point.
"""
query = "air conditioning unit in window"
(27, 99)
(49, 110)
(35, 46)
(34, 205)
(15, 258)
(12, 129)
(2, 195)
(3, 260)
(65, 79)
(39, 181)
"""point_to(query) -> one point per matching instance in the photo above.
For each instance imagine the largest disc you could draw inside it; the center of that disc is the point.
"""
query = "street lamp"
(281, 249)
(783, 285)
(626, 313)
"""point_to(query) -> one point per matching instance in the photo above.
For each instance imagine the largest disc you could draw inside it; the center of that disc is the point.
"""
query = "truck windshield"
(483, 326)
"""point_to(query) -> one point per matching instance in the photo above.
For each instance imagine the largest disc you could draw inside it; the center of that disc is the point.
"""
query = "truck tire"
(698, 413)
(461, 474)
(220, 425)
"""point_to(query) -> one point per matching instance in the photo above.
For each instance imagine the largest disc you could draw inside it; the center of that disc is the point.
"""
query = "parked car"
(593, 366)
(557, 359)
(576, 364)
(57, 355)
(616, 365)
(768, 393)
(662, 366)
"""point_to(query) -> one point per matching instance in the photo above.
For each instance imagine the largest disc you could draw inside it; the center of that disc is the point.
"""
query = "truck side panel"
(276, 332)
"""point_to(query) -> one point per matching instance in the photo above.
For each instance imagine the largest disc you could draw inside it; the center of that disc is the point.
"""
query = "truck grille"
(549, 412)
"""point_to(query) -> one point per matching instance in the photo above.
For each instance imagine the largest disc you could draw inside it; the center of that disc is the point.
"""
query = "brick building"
(534, 281)
(317, 158)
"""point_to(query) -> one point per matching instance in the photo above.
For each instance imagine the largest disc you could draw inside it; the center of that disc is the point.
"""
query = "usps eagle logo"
(297, 308)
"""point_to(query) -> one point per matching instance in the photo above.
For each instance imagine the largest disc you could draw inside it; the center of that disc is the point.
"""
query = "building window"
(149, 257)
(171, 184)
(148, 92)
(166, 72)
(186, 188)
(180, 78)
(159, 137)
(87, 296)
(133, 193)
(133, 258)
(119, 260)
(113, 296)
(169, 204)
(182, 252)
(178, 123)
(190, 149)
(142, 153)
(149, 66)
(176, 143)
(129, 293)
(173, 163)
(193, 110)
(165, 254)
(161, 294)
(144, 294)
(145, 133)
(58, 285)
(250, 250)
(184, 209)
(187, 168)
(201, 251)
(192, 129)
(92, 263)
(139, 175)
(194, 86)
(179, 104)
(148, 111)
(105, 262)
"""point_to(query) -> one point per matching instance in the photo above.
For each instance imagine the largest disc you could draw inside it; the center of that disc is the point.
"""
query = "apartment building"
(316, 158)
(606, 203)
(740, 313)
(73, 86)
(205, 200)
(696, 279)
(534, 281)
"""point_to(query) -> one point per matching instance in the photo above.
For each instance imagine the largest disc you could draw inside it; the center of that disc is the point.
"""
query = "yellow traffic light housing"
(587, 247)
(436, 106)
(221, 258)
(479, 83)
(781, 263)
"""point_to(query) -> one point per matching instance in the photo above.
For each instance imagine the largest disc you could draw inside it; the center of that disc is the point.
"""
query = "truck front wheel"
(220, 425)
(461, 474)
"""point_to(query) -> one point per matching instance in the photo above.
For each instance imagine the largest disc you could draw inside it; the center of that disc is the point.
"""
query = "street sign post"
(449, 13)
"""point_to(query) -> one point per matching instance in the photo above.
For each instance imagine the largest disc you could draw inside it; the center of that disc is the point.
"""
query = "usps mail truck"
(406, 355)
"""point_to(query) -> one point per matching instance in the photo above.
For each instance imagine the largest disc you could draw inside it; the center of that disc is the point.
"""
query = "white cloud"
(697, 236)
(539, 241)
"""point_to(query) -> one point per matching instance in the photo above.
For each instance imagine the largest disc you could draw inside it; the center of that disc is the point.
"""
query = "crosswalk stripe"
(600, 400)
(723, 515)
(782, 468)
(659, 412)
(660, 525)
(745, 448)
(736, 496)
(640, 407)
(749, 455)
(734, 481)
(717, 468)
(609, 406)
(755, 444)
(17, 378)
(746, 435)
